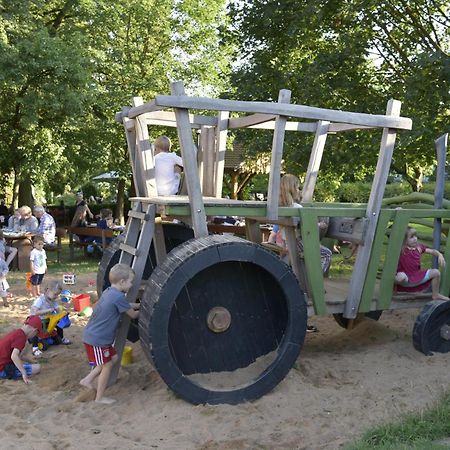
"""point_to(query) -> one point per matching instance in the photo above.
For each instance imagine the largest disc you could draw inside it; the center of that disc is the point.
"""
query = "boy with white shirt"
(38, 265)
(167, 167)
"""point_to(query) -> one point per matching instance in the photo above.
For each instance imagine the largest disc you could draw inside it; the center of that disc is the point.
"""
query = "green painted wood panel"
(311, 244)
(395, 243)
(374, 262)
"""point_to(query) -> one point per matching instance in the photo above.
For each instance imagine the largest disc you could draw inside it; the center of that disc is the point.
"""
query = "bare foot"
(440, 297)
(105, 401)
(86, 384)
(5, 304)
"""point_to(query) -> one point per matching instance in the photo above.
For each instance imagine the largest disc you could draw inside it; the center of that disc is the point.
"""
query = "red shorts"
(99, 355)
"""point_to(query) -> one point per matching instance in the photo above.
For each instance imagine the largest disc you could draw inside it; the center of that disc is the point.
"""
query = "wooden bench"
(94, 232)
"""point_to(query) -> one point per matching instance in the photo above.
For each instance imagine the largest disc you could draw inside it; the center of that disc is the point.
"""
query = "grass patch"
(412, 431)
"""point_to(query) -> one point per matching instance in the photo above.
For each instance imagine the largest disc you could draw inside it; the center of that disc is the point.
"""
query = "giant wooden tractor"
(223, 319)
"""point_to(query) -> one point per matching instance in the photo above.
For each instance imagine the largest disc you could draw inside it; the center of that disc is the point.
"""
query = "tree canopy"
(68, 65)
(352, 55)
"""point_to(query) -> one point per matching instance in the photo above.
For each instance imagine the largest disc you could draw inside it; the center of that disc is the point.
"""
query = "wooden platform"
(336, 290)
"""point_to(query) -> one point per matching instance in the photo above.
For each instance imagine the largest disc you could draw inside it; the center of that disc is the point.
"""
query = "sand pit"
(343, 382)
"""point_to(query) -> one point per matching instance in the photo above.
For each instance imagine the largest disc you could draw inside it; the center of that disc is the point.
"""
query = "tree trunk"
(25, 196)
(120, 201)
(415, 180)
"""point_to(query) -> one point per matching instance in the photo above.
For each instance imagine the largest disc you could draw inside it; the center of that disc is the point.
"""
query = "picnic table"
(22, 240)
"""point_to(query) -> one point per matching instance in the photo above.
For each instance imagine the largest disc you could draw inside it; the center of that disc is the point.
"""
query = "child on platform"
(167, 167)
(11, 364)
(38, 265)
(4, 267)
(410, 277)
(289, 193)
(100, 332)
(43, 306)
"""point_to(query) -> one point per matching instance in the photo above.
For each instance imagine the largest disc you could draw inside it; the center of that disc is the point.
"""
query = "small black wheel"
(431, 332)
(222, 320)
(351, 323)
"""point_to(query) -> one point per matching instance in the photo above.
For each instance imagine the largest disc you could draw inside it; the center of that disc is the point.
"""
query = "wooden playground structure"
(223, 318)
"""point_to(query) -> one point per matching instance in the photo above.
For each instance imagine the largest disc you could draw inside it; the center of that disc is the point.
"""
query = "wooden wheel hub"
(218, 319)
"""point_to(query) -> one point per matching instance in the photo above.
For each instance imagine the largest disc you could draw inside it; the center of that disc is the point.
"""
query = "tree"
(44, 82)
(351, 55)
(74, 63)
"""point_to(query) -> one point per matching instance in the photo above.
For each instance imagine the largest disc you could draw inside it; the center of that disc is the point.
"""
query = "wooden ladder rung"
(138, 215)
(129, 249)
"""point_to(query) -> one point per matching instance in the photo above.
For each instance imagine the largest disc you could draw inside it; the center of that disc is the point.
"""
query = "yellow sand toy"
(53, 319)
(48, 335)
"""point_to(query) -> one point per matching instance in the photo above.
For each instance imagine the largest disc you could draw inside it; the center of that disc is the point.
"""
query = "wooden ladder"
(135, 249)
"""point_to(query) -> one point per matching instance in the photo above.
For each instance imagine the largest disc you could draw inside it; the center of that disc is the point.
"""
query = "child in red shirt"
(11, 365)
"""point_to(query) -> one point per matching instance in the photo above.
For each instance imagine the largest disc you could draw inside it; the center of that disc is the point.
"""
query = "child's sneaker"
(311, 329)
(65, 341)
(36, 351)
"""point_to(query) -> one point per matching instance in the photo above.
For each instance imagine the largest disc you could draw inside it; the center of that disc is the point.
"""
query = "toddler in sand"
(100, 332)
(43, 306)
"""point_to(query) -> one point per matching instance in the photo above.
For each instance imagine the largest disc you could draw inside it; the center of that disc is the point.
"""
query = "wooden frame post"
(221, 143)
(372, 213)
(277, 155)
(314, 160)
(188, 154)
(144, 159)
(441, 153)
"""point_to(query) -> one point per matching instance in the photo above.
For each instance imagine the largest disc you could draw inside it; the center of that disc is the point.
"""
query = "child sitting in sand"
(11, 364)
(410, 277)
(100, 332)
(167, 164)
(43, 306)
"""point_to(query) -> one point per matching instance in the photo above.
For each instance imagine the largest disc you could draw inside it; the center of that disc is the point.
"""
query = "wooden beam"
(337, 127)
(144, 163)
(372, 213)
(142, 108)
(315, 160)
(138, 180)
(301, 111)
(309, 127)
(167, 118)
(207, 162)
(209, 157)
(273, 191)
(246, 121)
(441, 153)
(221, 143)
(188, 154)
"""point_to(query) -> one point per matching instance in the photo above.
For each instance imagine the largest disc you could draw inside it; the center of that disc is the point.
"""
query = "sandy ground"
(343, 383)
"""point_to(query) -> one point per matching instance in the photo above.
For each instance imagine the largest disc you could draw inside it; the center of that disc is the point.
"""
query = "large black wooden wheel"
(174, 235)
(222, 319)
(431, 332)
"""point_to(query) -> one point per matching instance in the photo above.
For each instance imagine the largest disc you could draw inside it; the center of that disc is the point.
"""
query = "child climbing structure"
(223, 319)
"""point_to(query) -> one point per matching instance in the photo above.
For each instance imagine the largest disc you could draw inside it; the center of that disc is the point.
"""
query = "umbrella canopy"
(107, 176)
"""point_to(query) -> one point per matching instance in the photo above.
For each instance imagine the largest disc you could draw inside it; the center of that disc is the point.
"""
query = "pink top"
(409, 262)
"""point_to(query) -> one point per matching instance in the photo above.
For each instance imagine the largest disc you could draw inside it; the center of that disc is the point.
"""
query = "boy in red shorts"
(11, 365)
(100, 332)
